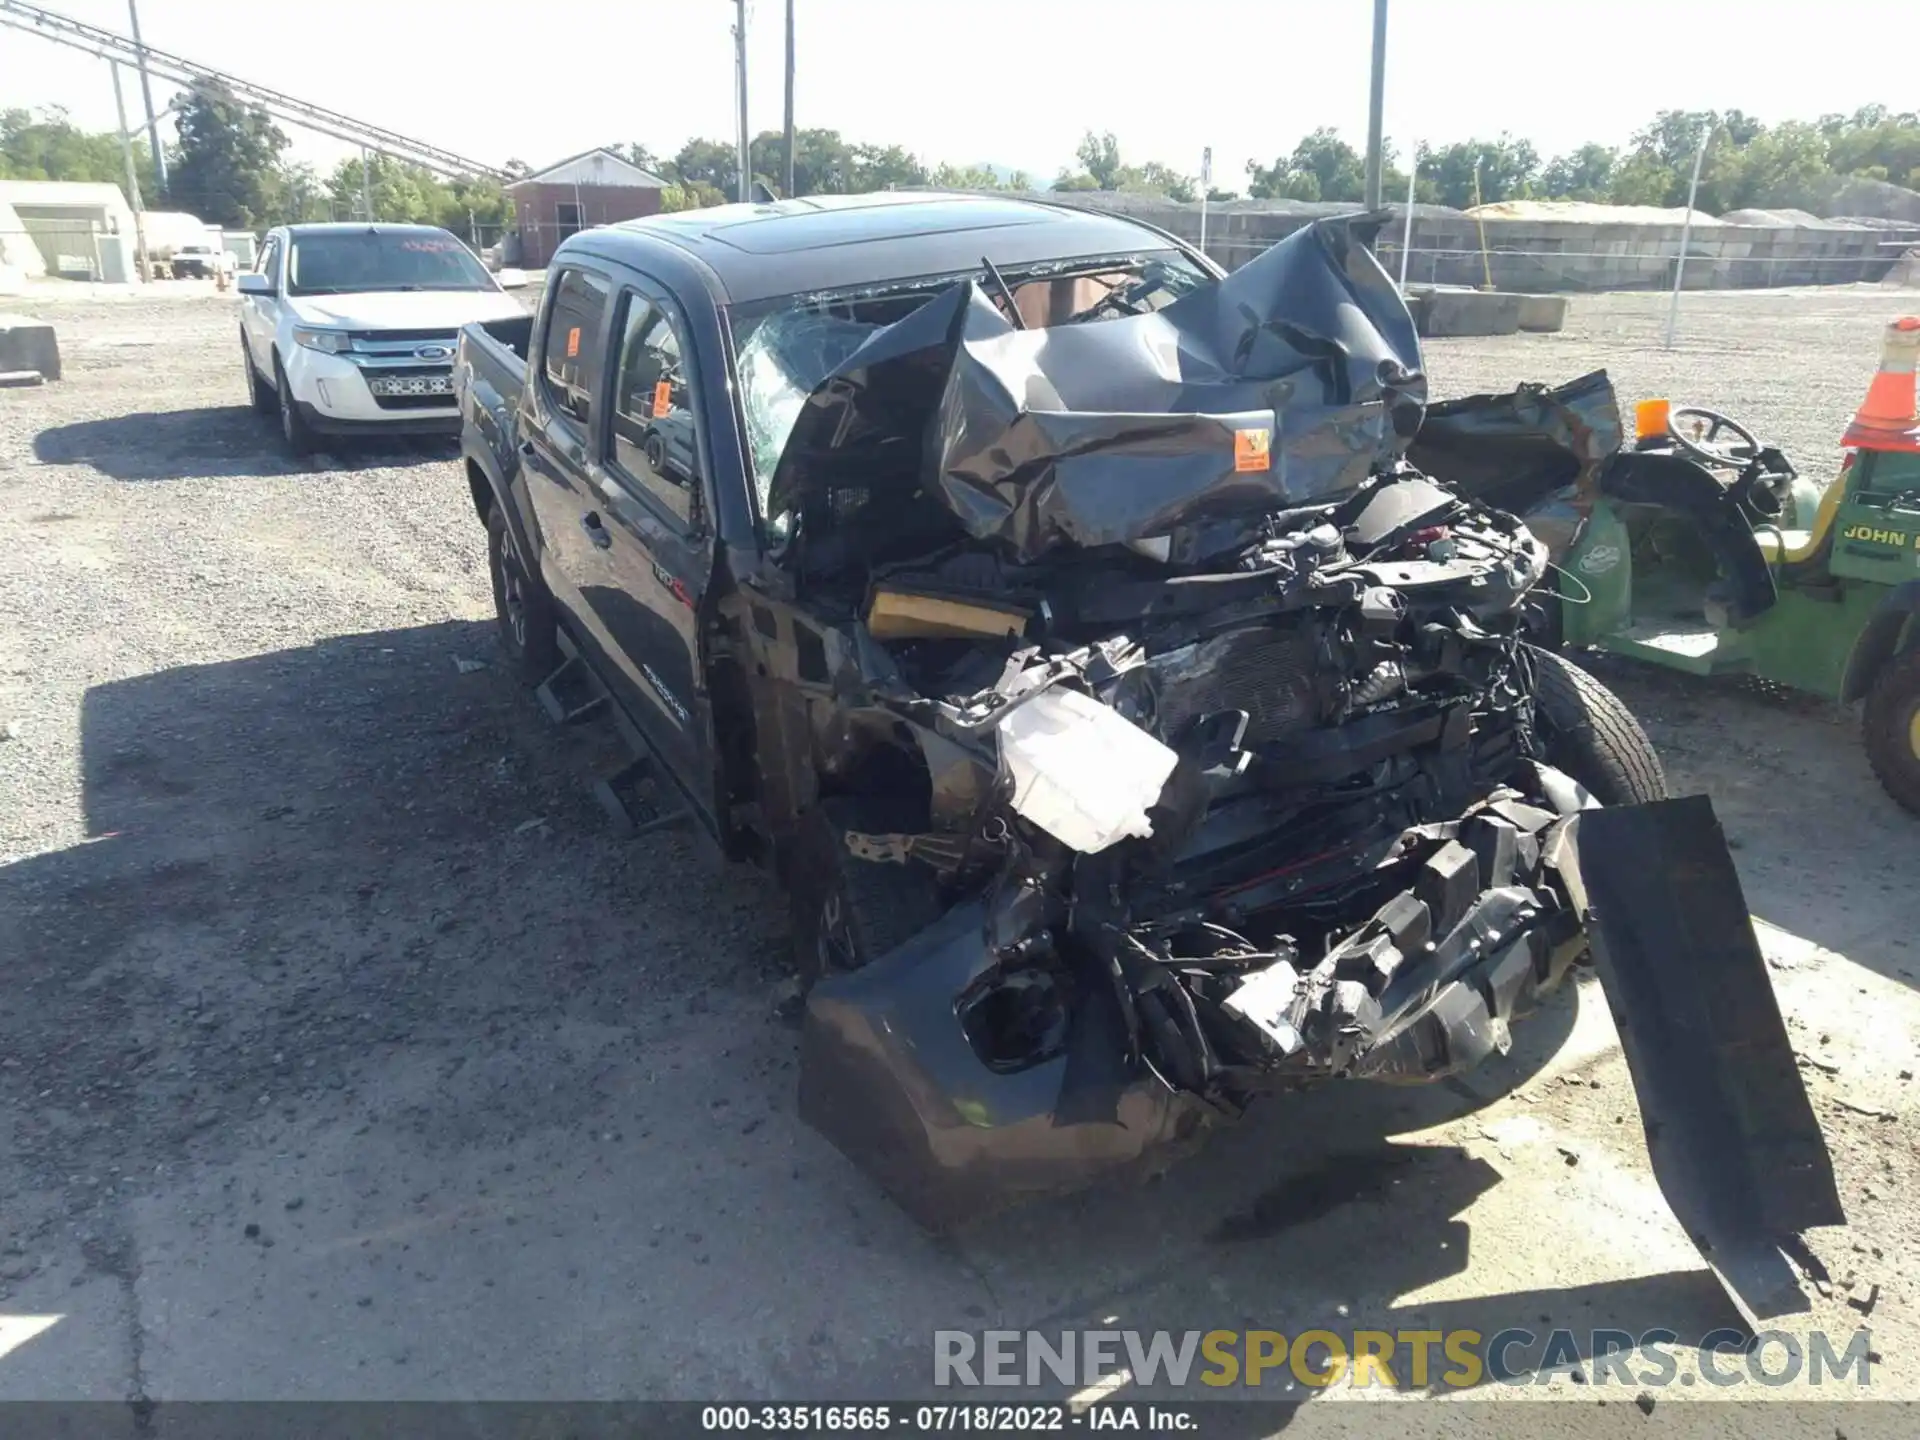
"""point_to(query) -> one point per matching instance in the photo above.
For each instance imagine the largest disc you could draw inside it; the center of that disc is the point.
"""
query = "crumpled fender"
(888, 1075)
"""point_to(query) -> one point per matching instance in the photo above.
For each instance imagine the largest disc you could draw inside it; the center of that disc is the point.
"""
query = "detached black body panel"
(1732, 1134)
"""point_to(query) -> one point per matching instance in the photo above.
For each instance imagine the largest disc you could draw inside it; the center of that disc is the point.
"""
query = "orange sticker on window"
(573, 342)
(1250, 450)
(662, 398)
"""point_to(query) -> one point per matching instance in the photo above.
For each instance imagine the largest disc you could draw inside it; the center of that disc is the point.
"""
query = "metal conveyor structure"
(110, 45)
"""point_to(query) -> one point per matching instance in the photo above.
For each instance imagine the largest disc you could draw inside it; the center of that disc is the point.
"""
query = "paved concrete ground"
(345, 1053)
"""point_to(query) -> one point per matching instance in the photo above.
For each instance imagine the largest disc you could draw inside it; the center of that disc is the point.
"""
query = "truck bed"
(489, 373)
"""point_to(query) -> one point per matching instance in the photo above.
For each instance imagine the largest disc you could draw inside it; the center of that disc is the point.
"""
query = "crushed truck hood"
(1283, 384)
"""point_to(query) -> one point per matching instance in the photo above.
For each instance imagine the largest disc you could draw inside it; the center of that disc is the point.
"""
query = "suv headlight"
(331, 342)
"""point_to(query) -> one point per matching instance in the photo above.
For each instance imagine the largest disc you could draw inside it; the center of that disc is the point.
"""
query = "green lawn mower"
(1699, 548)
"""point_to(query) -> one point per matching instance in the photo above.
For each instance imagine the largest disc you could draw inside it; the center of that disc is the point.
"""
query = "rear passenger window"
(573, 340)
(655, 441)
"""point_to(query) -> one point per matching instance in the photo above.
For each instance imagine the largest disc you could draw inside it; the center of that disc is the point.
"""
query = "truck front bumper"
(888, 1074)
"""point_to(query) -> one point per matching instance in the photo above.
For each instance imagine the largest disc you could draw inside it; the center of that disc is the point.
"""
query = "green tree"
(1322, 167)
(964, 177)
(1100, 158)
(884, 167)
(298, 195)
(401, 194)
(1507, 170)
(638, 154)
(228, 159)
(1340, 169)
(1641, 179)
(48, 146)
(1586, 174)
(1785, 166)
(708, 162)
(1103, 169)
(1871, 140)
(1153, 178)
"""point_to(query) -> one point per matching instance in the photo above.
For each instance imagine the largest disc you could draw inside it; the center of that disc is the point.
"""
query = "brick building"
(594, 188)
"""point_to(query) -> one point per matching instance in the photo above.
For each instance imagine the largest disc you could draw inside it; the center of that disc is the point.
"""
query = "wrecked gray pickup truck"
(1136, 732)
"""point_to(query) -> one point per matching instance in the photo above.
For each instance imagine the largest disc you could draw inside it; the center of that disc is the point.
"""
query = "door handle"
(596, 532)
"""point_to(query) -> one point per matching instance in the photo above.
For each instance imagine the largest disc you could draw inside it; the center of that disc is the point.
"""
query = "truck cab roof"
(829, 242)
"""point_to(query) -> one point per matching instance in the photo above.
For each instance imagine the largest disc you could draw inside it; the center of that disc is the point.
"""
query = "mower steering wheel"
(1705, 445)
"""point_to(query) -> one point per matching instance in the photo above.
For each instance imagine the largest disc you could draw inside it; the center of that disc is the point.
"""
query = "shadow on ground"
(351, 959)
(222, 441)
(1823, 851)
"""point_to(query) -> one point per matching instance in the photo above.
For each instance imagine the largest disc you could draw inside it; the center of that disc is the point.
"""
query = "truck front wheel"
(521, 606)
(848, 911)
(1587, 731)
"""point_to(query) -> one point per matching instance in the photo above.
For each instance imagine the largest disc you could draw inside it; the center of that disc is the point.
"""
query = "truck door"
(652, 533)
(555, 426)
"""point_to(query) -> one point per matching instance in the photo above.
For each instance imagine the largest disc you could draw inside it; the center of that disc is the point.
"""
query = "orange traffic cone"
(1886, 419)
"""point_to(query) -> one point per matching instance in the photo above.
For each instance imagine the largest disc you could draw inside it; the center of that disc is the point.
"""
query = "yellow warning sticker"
(573, 342)
(662, 398)
(1251, 449)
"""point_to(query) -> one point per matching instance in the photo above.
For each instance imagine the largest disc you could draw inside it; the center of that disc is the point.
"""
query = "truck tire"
(521, 606)
(1589, 733)
(847, 911)
(259, 397)
(294, 430)
(1890, 728)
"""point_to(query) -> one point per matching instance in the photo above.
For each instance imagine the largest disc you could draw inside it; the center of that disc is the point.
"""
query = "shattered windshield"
(786, 347)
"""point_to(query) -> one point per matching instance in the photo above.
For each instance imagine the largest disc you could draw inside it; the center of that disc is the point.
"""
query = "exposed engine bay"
(1196, 733)
(1242, 817)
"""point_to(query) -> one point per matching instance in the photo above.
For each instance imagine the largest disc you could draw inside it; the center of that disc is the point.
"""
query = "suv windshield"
(361, 260)
(787, 347)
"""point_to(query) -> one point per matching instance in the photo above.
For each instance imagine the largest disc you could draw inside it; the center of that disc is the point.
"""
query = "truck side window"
(655, 440)
(573, 341)
(270, 262)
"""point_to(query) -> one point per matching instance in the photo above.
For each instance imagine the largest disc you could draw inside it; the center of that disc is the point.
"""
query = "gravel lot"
(345, 1052)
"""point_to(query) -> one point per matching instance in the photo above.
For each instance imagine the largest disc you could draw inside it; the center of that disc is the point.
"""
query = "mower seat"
(1797, 547)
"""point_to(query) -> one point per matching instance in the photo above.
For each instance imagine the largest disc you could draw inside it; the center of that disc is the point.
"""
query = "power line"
(110, 45)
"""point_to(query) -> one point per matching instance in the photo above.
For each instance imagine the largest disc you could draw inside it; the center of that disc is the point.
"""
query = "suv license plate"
(412, 385)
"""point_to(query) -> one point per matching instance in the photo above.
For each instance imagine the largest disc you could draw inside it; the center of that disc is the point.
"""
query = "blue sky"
(1013, 82)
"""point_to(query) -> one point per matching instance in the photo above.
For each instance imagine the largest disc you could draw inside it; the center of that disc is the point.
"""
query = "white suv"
(351, 329)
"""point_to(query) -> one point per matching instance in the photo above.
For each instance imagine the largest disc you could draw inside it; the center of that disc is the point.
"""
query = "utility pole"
(133, 177)
(740, 65)
(366, 185)
(146, 94)
(789, 191)
(1376, 103)
(1686, 234)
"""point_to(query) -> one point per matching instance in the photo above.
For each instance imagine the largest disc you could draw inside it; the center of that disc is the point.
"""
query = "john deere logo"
(1875, 536)
(1600, 559)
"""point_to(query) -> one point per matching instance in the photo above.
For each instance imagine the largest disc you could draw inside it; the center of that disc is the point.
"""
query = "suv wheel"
(294, 429)
(259, 397)
(848, 911)
(521, 606)
(1587, 731)
(1890, 728)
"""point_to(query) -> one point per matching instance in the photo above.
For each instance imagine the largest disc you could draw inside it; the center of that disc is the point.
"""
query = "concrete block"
(1543, 313)
(28, 345)
(1469, 312)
